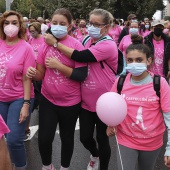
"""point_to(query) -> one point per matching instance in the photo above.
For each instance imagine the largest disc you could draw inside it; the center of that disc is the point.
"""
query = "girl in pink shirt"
(140, 135)
(101, 54)
(16, 92)
(61, 95)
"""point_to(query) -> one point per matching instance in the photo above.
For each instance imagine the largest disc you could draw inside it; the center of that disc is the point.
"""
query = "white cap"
(157, 22)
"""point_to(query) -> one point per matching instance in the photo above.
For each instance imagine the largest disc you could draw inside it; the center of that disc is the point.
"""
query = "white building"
(166, 11)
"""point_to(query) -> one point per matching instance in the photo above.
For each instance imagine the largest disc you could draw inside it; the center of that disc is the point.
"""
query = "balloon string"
(119, 153)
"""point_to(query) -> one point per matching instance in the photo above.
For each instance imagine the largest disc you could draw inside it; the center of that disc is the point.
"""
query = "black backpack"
(120, 55)
(156, 84)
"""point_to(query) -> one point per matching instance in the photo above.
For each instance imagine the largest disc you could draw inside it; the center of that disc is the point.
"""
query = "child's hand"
(111, 131)
(167, 161)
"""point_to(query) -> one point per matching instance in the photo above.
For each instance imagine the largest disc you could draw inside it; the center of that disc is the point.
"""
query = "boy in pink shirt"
(140, 135)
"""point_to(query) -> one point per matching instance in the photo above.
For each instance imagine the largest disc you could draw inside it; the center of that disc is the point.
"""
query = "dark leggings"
(49, 116)
(88, 120)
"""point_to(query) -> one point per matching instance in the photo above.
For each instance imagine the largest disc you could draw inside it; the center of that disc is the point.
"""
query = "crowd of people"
(62, 66)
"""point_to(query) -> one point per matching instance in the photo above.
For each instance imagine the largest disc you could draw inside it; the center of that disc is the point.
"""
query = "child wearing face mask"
(140, 135)
(61, 95)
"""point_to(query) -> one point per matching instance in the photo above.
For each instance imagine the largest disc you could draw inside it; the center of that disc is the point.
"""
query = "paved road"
(80, 156)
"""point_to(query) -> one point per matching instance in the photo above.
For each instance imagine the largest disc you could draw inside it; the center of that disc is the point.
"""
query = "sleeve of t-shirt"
(164, 95)
(79, 47)
(29, 59)
(102, 49)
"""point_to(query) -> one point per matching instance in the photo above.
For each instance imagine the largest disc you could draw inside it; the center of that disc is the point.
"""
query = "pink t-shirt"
(99, 80)
(77, 33)
(114, 33)
(56, 87)
(3, 127)
(143, 127)
(36, 43)
(124, 43)
(14, 62)
(146, 33)
(157, 65)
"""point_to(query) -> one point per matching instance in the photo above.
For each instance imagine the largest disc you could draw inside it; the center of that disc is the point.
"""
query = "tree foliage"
(81, 8)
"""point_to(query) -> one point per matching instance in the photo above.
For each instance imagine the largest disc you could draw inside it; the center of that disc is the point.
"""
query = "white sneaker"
(93, 164)
(51, 168)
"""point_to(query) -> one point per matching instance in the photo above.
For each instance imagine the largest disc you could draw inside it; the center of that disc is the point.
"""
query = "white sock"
(62, 168)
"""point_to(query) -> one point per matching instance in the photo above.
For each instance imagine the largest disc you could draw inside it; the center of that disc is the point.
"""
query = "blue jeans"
(10, 112)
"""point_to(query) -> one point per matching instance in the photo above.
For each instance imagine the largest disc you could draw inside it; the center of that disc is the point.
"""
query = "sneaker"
(27, 135)
(51, 168)
(93, 164)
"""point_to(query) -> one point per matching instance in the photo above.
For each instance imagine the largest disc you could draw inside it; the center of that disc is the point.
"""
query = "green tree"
(81, 9)
(144, 8)
(2, 6)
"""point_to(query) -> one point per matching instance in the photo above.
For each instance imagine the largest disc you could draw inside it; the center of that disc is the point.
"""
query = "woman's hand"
(24, 113)
(50, 39)
(111, 131)
(52, 62)
(167, 161)
(31, 72)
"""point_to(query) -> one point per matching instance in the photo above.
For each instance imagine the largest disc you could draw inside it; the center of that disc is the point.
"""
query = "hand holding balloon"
(111, 108)
(110, 131)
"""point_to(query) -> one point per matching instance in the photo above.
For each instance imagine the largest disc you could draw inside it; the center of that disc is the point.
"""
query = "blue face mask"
(94, 32)
(147, 26)
(59, 31)
(134, 20)
(136, 69)
(133, 31)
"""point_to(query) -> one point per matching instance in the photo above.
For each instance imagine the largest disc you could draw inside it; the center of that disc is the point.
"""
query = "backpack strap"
(156, 85)
(120, 83)
(85, 40)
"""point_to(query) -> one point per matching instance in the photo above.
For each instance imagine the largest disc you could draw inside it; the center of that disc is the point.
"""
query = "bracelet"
(27, 102)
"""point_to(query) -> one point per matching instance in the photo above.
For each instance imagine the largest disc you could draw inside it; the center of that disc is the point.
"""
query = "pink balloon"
(111, 108)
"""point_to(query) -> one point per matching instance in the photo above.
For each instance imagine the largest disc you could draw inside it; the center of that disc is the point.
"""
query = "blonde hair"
(36, 25)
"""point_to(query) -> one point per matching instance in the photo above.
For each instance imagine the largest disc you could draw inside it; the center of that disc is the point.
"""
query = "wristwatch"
(55, 44)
